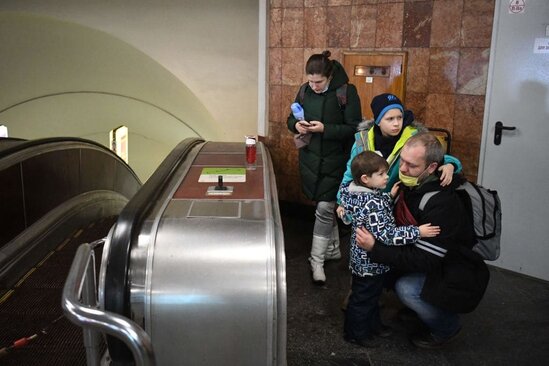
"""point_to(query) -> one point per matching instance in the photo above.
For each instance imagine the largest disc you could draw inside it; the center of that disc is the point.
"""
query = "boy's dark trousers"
(362, 318)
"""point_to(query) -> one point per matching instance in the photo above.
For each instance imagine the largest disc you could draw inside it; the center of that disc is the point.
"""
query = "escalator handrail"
(27, 144)
(125, 231)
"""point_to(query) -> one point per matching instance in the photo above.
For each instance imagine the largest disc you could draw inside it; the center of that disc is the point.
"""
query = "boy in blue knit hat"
(386, 134)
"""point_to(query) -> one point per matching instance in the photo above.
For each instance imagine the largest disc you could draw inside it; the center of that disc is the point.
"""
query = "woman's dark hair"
(367, 162)
(320, 63)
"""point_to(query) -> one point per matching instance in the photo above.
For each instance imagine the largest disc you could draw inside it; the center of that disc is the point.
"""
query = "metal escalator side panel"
(279, 340)
(209, 294)
(216, 284)
(125, 235)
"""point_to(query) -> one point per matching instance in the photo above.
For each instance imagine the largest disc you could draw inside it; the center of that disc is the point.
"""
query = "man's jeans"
(442, 324)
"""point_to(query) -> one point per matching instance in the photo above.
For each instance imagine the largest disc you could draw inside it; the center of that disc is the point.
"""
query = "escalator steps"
(36, 302)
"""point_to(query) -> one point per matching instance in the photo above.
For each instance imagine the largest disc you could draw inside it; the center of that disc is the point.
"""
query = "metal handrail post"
(92, 338)
(137, 340)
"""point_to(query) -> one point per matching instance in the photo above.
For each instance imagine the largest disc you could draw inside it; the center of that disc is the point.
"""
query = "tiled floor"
(510, 326)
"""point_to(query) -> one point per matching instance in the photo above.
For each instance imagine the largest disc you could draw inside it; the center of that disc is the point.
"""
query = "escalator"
(190, 272)
(55, 193)
(31, 314)
(193, 271)
(50, 187)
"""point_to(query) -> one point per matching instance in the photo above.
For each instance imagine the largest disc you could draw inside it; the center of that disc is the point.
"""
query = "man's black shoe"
(426, 340)
(369, 342)
(384, 331)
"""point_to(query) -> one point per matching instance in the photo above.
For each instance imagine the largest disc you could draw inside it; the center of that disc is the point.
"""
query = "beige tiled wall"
(448, 45)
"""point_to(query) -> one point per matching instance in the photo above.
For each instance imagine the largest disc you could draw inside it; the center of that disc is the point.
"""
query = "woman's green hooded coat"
(322, 162)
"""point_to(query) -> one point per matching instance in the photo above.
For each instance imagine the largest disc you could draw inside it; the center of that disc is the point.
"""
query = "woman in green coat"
(332, 114)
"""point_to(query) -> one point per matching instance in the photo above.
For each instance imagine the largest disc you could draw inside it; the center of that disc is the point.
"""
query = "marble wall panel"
(339, 2)
(440, 111)
(314, 3)
(339, 26)
(288, 96)
(443, 69)
(417, 103)
(365, 2)
(292, 27)
(473, 71)
(363, 26)
(287, 144)
(292, 3)
(275, 66)
(390, 20)
(275, 103)
(446, 24)
(285, 141)
(476, 30)
(316, 28)
(275, 4)
(273, 140)
(417, 76)
(468, 118)
(478, 7)
(292, 66)
(468, 154)
(275, 28)
(417, 24)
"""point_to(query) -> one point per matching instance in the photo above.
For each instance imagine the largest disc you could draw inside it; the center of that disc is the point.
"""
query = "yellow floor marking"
(65, 242)
(25, 277)
(6, 296)
(45, 258)
(78, 233)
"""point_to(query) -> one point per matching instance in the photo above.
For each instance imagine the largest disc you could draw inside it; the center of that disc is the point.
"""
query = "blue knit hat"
(383, 103)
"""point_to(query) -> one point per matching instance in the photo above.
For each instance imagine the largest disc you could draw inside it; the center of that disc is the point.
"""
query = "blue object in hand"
(297, 111)
(347, 219)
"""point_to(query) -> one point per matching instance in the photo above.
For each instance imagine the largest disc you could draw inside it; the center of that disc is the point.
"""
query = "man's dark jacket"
(456, 277)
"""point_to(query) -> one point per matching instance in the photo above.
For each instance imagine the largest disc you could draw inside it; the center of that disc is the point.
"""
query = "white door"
(518, 168)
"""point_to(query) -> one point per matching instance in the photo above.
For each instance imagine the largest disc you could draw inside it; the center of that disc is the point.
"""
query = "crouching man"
(440, 276)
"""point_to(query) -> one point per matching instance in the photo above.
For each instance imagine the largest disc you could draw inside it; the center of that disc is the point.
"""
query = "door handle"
(499, 130)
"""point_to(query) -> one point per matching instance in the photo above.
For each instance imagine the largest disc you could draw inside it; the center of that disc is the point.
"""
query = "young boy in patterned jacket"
(371, 208)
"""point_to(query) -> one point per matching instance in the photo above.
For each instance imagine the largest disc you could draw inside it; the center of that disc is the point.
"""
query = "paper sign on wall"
(541, 45)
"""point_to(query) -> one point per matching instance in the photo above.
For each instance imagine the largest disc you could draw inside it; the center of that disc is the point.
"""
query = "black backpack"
(484, 208)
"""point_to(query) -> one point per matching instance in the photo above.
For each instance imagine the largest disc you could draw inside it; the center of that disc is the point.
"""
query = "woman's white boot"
(318, 255)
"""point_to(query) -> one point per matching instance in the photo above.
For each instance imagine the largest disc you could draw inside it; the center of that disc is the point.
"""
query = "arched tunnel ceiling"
(63, 79)
(42, 56)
